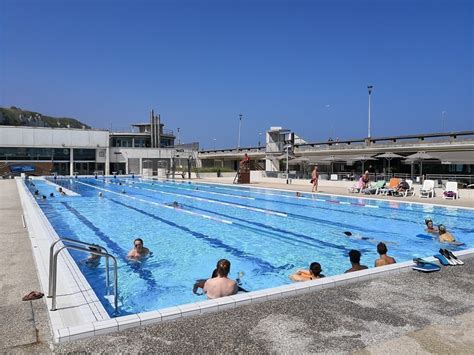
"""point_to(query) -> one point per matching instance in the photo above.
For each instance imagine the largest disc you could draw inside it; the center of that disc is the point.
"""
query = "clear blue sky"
(304, 65)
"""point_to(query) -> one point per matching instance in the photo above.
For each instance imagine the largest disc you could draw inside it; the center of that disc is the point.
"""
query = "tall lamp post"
(240, 125)
(259, 139)
(179, 141)
(370, 87)
(287, 147)
(214, 143)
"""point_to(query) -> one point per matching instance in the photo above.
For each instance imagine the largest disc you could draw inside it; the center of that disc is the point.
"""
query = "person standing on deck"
(314, 179)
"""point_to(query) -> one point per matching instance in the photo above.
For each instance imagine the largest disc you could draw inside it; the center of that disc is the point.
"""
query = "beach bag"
(449, 194)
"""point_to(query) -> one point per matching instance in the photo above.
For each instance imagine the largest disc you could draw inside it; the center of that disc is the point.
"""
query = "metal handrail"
(77, 242)
(55, 268)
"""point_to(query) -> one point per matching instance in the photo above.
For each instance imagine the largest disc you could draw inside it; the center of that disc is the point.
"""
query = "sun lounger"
(374, 187)
(451, 190)
(390, 188)
(357, 188)
(408, 192)
(427, 190)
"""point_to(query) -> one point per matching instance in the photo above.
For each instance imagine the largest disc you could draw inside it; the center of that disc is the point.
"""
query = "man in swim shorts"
(313, 273)
(444, 235)
(138, 250)
(221, 285)
(384, 258)
(354, 257)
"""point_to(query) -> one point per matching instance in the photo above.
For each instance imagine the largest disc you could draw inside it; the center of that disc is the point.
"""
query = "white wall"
(42, 137)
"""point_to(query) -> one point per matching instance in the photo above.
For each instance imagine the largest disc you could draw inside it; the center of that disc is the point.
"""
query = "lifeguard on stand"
(243, 175)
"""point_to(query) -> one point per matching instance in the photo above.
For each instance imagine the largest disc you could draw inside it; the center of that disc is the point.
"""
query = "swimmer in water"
(429, 226)
(199, 284)
(313, 273)
(138, 250)
(101, 194)
(94, 259)
(444, 235)
(349, 234)
(298, 194)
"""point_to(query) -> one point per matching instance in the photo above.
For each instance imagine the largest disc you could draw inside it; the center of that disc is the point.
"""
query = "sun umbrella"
(331, 159)
(363, 159)
(420, 156)
(389, 156)
(298, 160)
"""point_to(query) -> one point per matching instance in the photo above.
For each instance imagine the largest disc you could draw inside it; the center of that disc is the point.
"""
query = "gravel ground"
(343, 319)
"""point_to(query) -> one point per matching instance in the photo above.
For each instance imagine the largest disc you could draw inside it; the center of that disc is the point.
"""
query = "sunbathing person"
(384, 258)
(402, 187)
(221, 285)
(354, 257)
(429, 226)
(445, 236)
(313, 273)
(138, 250)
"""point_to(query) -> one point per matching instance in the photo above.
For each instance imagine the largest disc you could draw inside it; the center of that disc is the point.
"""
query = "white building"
(66, 151)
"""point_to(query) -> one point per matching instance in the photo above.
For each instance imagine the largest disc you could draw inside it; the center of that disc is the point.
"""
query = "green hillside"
(15, 116)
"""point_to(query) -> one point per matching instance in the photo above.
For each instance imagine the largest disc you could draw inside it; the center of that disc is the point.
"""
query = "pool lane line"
(201, 191)
(288, 214)
(293, 215)
(288, 203)
(144, 274)
(210, 200)
(335, 202)
(320, 207)
(385, 201)
(159, 204)
(313, 240)
(285, 196)
(214, 242)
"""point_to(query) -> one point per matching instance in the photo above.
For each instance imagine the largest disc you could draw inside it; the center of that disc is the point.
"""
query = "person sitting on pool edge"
(354, 257)
(384, 258)
(444, 235)
(429, 226)
(313, 273)
(221, 285)
(138, 250)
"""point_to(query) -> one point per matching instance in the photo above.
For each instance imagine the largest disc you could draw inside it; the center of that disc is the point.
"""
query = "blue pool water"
(267, 234)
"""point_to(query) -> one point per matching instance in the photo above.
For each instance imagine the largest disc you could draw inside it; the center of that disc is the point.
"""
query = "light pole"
(443, 119)
(214, 143)
(259, 139)
(370, 87)
(287, 147)
(179, 142)
(240, 125)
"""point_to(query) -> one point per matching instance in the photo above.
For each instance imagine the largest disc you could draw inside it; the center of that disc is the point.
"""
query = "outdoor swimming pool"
(266, 234)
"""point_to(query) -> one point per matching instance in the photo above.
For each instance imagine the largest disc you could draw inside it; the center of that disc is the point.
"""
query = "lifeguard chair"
(243, 174)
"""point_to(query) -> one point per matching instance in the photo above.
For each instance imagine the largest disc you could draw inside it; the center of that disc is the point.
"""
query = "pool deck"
(405, 312)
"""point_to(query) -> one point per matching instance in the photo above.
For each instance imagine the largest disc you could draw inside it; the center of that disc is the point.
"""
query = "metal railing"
(53, 266)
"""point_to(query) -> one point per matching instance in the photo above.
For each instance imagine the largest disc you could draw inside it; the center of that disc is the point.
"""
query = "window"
(84, 154)
(34, 154)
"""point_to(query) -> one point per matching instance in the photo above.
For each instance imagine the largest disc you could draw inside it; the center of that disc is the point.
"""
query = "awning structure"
(466, 157)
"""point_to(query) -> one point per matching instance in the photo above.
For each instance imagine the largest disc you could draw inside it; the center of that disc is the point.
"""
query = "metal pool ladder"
(85, 247)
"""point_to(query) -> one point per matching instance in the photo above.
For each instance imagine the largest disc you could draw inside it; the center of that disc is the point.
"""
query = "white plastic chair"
(427, 190)
(451, 186)
(411, 190)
